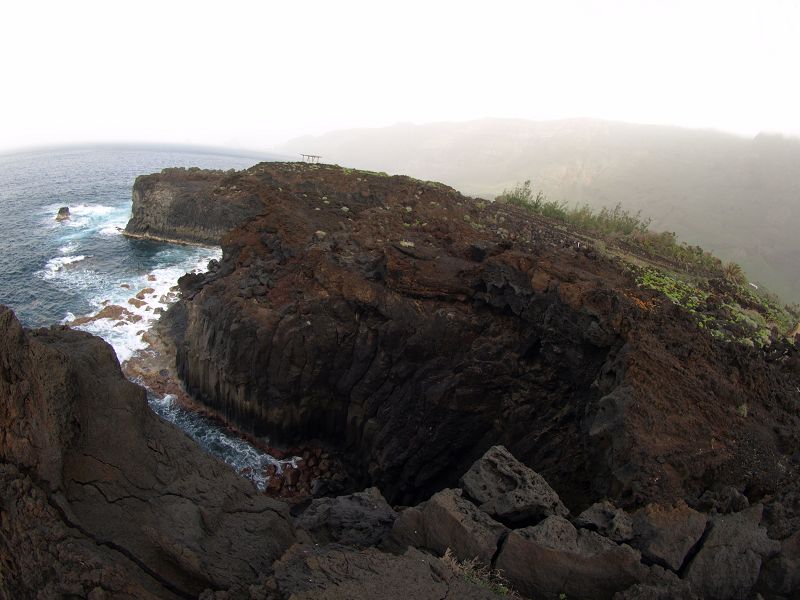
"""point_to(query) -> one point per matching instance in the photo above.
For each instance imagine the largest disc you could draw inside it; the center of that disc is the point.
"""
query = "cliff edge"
(412, 328)
(190, 205)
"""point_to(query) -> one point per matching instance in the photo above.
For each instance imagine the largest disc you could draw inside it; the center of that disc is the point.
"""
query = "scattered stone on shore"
(136, 302)
(111, 311)
(142, 293)
(151, 277)
(63, 213)
(126, 286)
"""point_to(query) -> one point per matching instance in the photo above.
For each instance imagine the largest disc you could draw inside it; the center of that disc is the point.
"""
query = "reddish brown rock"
(485, 326)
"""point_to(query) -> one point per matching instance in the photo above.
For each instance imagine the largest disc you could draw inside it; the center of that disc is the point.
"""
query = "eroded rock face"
(99, 494)
(413, 328)
(508, 490)
(449, 521)
(729, 562)
(666, 534)
(554, 558)
(608, 520)
(360, 519)
(190, 205)
(332, 573)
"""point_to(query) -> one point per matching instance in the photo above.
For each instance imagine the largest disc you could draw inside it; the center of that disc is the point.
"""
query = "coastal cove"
(485, 402)
(75, 270)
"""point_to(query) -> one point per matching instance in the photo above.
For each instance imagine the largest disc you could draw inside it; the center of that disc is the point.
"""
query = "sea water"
(52, 271)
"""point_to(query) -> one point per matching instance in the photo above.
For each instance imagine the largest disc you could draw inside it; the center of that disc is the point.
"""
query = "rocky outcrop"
(190, 205)
(99, 496)
(413, 328)
(63, 213)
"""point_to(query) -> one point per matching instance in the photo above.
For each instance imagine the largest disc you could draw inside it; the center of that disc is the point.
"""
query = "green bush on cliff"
(679, 292)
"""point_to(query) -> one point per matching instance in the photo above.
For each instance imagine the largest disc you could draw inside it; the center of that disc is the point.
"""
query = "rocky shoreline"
(515, 416)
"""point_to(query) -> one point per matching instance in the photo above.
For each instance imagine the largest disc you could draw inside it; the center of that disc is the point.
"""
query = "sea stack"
(63, 213)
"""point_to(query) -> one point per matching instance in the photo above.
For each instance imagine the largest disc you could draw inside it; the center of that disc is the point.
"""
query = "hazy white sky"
(254, 74)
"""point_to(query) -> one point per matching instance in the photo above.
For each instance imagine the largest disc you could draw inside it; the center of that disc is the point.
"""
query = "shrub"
(733, 273)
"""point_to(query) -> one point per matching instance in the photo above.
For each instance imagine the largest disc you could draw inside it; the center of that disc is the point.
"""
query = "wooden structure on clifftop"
(310, 158)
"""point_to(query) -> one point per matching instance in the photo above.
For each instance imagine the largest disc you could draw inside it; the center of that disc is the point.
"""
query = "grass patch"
(478, 574)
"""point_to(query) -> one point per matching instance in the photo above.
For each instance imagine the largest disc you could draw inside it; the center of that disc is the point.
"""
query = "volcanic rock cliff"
(412, 328)
(189, 205)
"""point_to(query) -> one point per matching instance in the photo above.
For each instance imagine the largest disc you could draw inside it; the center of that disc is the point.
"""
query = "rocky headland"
(190, 205)
(503, 394)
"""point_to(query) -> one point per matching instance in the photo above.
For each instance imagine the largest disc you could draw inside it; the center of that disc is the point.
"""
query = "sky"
(255, 74)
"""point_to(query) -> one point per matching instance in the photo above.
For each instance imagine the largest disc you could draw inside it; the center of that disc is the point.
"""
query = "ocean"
(51, 271)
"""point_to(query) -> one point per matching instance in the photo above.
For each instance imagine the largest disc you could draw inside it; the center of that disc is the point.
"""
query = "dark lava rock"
(431, 327)
(554, 558)
(63, 213)
(664, 535)
(726, 500)
(673, 590)
(340, 573)
(508, 490)
(781, 574)
(449, 521)
(360, 519)
(729, 561)
(100, 496)
(190, 205)
(607, 520)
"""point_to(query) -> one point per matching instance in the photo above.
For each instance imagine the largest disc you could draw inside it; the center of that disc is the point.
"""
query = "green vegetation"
(719, 296)
(730, 311)
(619, 224)
(478, 574)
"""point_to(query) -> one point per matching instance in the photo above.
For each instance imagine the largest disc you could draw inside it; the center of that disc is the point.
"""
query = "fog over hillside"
(735, 196)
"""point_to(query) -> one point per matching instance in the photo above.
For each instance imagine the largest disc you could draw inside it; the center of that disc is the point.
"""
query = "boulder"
(554, 558)
(728, 564)
(608, 520)
(360, 519)
(665, 535)
(506, 489)
(63, 213)
(448, 520)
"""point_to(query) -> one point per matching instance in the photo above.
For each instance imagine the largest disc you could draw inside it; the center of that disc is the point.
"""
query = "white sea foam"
(54, 265)
(91, 210)
(124, 336)
(236, 452)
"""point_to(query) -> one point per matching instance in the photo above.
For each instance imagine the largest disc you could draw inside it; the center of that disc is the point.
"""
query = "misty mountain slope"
(737, 197)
